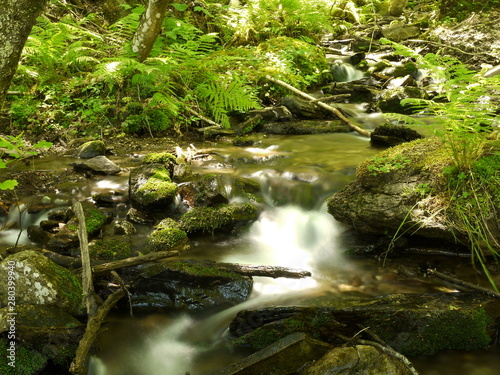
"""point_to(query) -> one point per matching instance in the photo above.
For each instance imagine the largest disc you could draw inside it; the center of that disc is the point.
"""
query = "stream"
(296, 175)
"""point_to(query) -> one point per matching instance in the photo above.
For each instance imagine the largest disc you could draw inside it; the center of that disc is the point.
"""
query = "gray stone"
(284, 357)
(91, 149)
(123, 227)
(360, 359)
(39, 281)
(398, 32)
(98, 164)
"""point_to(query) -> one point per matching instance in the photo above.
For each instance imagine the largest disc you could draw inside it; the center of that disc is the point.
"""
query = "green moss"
(110, 249)
(158, 187)
(159, 157)
(164, 238)
(28, 361)
(69, 287)
(208, 219)
(202, 270)
(260, 338)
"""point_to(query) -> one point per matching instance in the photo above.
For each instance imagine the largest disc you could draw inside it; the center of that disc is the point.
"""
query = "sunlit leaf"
(8, 185)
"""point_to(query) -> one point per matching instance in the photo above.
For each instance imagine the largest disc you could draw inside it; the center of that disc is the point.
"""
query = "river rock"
(392, 135)
(166, 236)
(98, 164)
(39, 281)
(399, 31)
(305, 127)
(284, 357)
(302, 108)
(412, 324)
(390, 99)
(151, 188)
(123, 227)
(224, 217)
(185, 285)
(359, 359)
(208, 190)
(91, 149)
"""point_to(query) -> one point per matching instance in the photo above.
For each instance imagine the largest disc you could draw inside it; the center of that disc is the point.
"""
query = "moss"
(202, 270)
(159, 157)
(68, 287)
(158, 187)
(110, 249)
(28, 361)
(260, 338)
(209, 219)
(165, 238)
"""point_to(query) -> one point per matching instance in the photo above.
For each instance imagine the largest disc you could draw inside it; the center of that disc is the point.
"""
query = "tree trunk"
(17, 17)
(149, 28)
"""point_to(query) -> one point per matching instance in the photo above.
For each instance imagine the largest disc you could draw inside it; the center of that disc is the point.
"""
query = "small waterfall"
(344, 72)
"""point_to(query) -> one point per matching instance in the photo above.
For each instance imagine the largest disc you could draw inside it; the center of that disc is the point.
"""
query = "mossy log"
(260, 270)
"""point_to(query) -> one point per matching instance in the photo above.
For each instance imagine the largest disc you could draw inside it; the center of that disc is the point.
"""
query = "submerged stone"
(284, 357)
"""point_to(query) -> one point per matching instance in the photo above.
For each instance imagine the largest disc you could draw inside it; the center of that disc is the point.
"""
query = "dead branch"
(132, 261)
(260, 270)
(331, 98)
(462, 283)
(79, 364)
(331, 109)
(89, 296)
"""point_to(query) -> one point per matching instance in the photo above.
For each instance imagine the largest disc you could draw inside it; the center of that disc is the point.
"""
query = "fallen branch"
(462, 283)
(79, 364)
(89, 296)
(206, 119)
(331, 98)
(260, 270)
(386, 349)
(331, 109)
(128, 262)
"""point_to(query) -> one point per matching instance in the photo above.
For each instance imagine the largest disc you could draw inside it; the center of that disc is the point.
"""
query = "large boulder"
(398, 190)
(99, 165)
(33, 279)
(186, 285)
(91, 149)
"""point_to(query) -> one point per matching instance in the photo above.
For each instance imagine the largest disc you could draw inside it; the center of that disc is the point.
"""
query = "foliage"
(459, 9)
(385, 164)
(17, 148)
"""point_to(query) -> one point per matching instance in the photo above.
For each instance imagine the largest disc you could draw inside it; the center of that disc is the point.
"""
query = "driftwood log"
(329, 108)
(259, 270)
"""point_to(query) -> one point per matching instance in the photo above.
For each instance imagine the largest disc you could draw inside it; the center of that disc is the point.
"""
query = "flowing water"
(296, 175)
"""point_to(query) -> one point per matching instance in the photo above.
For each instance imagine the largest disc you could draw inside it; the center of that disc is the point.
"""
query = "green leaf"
(8, 185)
(180, 7)
(43, 144)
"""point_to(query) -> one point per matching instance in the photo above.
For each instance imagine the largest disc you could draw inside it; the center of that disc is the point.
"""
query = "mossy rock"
(112, 248)
(166, 235)
(151, 187)
(27, 361)
(220, 218)
(91, 149)
(39, 281)
(159, 157)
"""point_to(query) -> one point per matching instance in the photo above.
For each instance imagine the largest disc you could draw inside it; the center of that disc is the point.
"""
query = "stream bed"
(296, 175)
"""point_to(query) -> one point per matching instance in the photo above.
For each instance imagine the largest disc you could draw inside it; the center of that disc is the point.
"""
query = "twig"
(331, 109)
(386, 349)
(206, 119)
(462, 283)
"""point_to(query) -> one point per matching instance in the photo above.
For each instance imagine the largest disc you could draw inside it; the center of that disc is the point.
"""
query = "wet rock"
(392, 135)
(123, 227)
(208, 190)
(412, 324)
(64, 241)
(182, 171)
(305, 127)
(360, 359)
(165, 236)
(98, 164)
(151, 188)
(39, 281)
(139, 216)
(111, 248)
(225, 217)
(358, 93)
(27, 360)
(91, 149)
(398, 31)
(58, 215)
(186, 285)
(279, 113)
(390, 100)
(302, 108)
(284, 357)
(38, 235)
